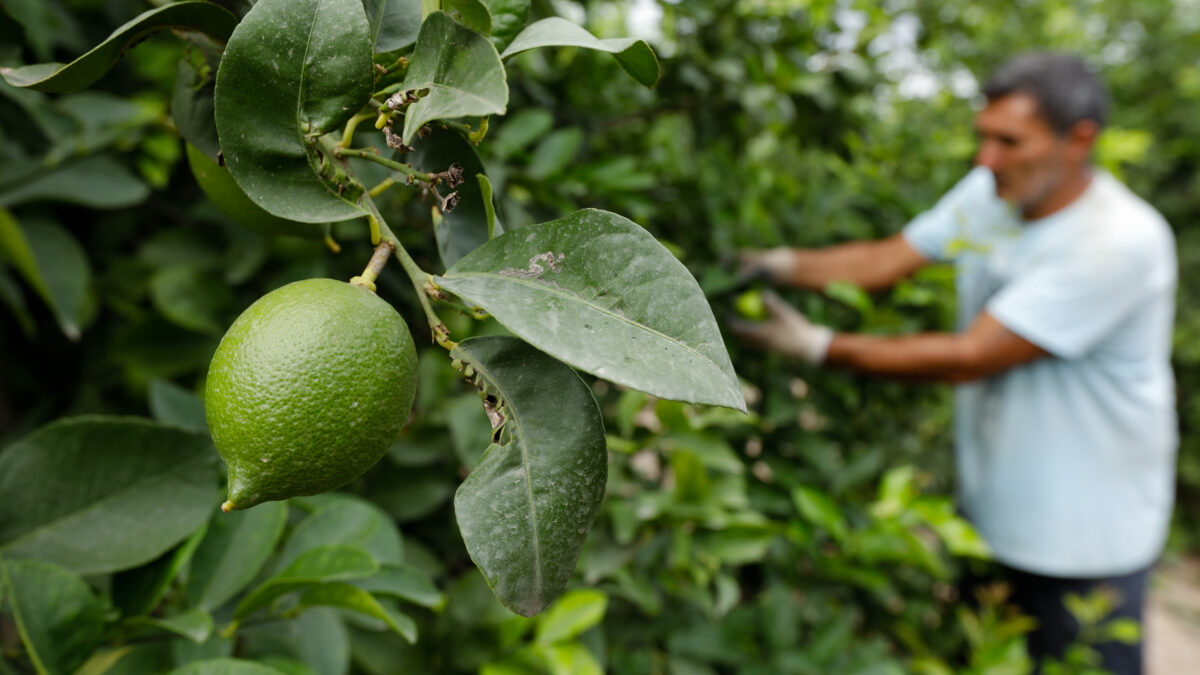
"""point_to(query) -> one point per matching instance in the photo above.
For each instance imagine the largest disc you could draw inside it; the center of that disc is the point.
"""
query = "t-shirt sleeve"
(1071, 299)
(933, 233)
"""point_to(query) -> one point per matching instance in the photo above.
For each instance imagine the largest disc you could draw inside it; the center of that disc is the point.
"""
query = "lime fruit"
(308, 389)
(749, 305)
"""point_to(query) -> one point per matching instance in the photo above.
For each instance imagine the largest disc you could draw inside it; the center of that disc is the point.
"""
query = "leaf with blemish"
(526, 509)
(293, 70)
(598, 292)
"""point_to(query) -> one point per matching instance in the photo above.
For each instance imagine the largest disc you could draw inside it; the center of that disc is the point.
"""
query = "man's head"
(1036, 132)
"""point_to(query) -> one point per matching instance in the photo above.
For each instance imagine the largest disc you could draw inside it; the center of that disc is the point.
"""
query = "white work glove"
(773, 264)
(785, 331)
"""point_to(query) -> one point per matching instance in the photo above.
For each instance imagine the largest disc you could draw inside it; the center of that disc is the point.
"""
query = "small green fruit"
(749, 305)
(308, 389)
(225, 194)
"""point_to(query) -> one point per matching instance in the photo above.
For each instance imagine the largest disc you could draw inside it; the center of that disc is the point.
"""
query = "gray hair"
(1066, 90)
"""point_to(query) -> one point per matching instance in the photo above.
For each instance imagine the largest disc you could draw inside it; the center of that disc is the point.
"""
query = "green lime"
(225, 194)
(308, 389)
(750, 305)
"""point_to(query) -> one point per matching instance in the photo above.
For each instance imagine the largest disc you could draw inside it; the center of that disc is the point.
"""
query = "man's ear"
(1082, 137)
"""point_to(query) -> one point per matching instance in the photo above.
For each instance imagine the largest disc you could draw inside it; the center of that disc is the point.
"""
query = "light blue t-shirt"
(1066, 464)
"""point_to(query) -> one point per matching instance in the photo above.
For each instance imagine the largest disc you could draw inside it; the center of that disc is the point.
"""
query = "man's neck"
(1066, 192)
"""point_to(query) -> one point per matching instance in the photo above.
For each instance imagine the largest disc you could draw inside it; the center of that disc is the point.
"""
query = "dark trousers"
(1041, 597)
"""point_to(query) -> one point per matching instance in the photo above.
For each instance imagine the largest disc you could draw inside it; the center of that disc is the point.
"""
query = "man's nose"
(988, 155)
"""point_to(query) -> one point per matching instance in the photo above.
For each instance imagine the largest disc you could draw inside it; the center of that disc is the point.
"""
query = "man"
(1065, 428)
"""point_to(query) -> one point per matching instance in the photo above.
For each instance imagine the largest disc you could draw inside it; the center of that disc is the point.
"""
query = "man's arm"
(872, 265)
(986, 348)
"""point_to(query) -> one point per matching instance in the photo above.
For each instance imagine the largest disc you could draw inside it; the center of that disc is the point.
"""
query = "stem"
(367, 279)
(391, 164)
(351, 125)
(381, 188)
(421, 280)
(465, 128)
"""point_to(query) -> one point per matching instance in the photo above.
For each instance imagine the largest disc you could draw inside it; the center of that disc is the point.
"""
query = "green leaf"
(56, 78)
(461, 70)
(485, 191)
(195, 625)
(97, 182)
(508, 19)
(403, 582)
(600, 293)
(521, 130)
(318, 566)
(225, 667)
(634, 55)
(345, 596)
(191, 299)
(570, 659)
(53, 263)
(233, 551)
(554, 153)
(348, 521)
(60, 621)
(473, 14)
(820, 510)
(140, 590)
(174, 405)
(526, 509)
(231, 200)
(574, 613)
(292, 71)
(100, 494)
(317, 638)
(394, 23)
(192, 109)
(466, 227)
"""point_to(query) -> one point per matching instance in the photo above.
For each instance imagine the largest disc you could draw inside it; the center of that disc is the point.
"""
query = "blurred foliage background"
(817, 534)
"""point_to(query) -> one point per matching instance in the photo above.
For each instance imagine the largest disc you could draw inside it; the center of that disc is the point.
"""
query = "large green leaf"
(100, 494)
(232, 553)
(326, 564)
(53, 263)
(293, 70)
(508, 19)
(348, 597)
(526, 509)
(97, 182)
(394, 23)
(466, 227)
(317, 639)
(634, 55)
(349, 522)
(192, 15)
(461, 70)
(61, 622)
(597, 291)
(225, 667)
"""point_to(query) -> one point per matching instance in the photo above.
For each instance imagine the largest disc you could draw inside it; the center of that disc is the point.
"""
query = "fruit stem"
(421, 280)
(367, 279)
(351, 125)
(370, 156)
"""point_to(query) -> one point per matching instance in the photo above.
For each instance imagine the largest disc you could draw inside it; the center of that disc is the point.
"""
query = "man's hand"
(785, 331)
(777, 265)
